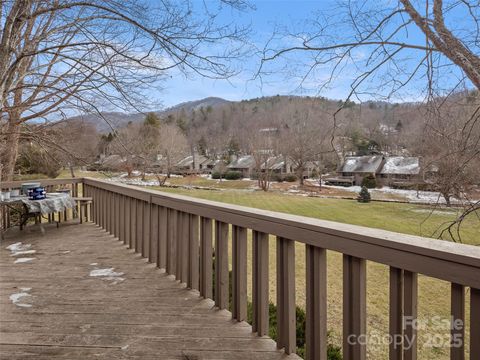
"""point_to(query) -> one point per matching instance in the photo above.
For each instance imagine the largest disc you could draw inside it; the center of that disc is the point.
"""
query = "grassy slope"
(405, 218)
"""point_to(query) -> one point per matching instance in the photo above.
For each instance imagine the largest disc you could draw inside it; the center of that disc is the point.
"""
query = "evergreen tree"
(364, 195)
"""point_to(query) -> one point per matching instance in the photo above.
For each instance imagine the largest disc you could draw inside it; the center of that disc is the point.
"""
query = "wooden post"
(316, 304)
(147, 219)
(457, 328)
(183, 250)
(172, 242)
(396, 314)
(260, 283)
(286, 312)
(162, 240)
(154, 235)
(193, 263)
(239, 273)
(221, 264)
(410, 296)
(474, 324)
(122, 219)
(354, 308)
(139, 227)
(206, 258)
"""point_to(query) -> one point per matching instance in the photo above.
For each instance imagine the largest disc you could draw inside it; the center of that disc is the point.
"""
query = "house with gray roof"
(244, 164)
(190, 163)
(388, 170)
(357, 167)
(400, 170)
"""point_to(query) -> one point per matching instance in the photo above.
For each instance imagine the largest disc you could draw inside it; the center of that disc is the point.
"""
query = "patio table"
(54, 202)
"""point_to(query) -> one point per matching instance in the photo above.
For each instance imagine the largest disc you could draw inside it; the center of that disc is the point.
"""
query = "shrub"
(364, 195)
(217, 175)
(277, 177)
(369, 182)
(233, 175)
(290, 178)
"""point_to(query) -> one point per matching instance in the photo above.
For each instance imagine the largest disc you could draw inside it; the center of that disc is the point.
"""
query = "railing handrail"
(457, 263)
(43, 182)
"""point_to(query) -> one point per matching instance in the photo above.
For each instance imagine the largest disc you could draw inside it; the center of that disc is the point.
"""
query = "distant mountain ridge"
(108, 120)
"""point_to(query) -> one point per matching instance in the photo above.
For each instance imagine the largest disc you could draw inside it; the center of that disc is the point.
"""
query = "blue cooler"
(37, 193)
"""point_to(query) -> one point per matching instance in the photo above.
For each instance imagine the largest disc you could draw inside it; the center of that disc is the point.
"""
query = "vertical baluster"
(221, 264)
(206, 258)
(457, 348)
(163, 233)
(184, 239)
(172, 242)
(108, 212)
(396, 314)
(239, 273)
(114, 212)
(260, 283)
(77, 205)
(139, 227)
(153, 254)
(147, 219)
(100, 207)
(316, 304)
(193, 266)
(286, 316)
(118, 215)
(121, 220)
(127, 217)
(354, 307)
(111, 213)
(474, 324)
(180, 247)
(410, 296)
(105, 210)
(93, 194)
(133, 224)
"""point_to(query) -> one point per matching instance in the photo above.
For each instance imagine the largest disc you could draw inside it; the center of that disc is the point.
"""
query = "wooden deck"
(73, 315)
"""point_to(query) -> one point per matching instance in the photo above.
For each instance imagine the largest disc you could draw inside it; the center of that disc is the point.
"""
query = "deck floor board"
(68, 314)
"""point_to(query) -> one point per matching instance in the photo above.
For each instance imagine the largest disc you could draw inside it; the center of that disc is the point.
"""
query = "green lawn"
(399, 217)
(410, 219)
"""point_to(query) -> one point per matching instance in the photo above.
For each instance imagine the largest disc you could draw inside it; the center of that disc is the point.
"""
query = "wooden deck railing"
(178, 232)
(175, 232)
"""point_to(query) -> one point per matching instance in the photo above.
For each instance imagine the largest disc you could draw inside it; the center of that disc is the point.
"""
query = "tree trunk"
(299, 172)
(9, 157)
(447, 200)
(72, 173)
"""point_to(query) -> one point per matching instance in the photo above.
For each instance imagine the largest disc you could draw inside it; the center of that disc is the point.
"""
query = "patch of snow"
(412, 196)
(125, 347)
(17, 297)
(23, 260)
(93, 264)
(108, 274)
(27, 252)
(20, 249)
(66, 252)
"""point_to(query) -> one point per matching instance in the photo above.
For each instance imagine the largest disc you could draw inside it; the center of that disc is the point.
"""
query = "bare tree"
(172, 146)
(302, 141)
(262, 144)
(398, 49)
(58, 56)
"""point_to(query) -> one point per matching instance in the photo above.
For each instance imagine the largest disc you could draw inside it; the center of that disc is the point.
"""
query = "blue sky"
(263, 19)
(269, 14)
